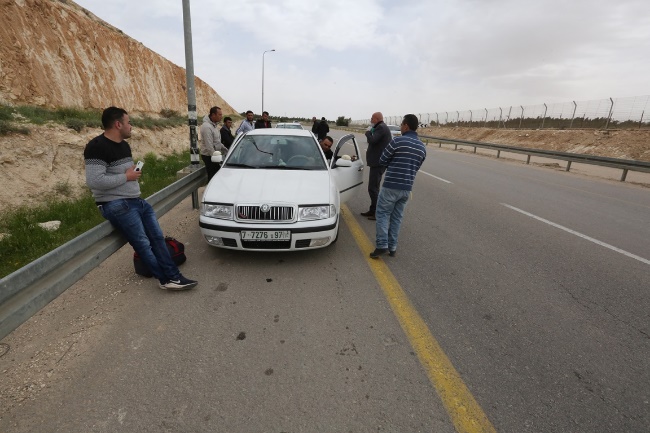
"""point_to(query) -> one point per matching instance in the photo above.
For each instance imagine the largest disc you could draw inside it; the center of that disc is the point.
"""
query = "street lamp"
(267, 51)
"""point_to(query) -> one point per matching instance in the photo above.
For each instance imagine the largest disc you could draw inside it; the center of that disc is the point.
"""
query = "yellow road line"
(465, 413)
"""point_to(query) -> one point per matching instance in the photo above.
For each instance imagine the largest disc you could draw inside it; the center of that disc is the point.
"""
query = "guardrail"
(622, 164)
(25, 291)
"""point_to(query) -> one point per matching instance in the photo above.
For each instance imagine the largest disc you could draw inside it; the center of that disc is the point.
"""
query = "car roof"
(281, 131)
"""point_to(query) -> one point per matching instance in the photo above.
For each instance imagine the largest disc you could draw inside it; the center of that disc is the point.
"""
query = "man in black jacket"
(378, 138)
(264, 122)
(226, 134)
(323, 128)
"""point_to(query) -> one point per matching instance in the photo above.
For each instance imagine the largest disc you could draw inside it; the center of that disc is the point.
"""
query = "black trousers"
(374, 182)
(210, 167)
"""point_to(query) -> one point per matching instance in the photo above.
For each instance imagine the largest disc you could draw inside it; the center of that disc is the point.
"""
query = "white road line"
(573, 232)
(436, 177)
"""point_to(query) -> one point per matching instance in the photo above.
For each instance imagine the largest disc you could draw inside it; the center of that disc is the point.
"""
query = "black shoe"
(181, 284)
(392, 253)
(372, 218)
(378, 252)
(368, 214)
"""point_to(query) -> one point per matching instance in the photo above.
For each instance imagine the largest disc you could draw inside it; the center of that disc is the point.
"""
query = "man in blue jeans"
(402, 158)
(113, 180)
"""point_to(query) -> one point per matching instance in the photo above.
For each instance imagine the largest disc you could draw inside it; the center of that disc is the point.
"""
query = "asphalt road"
(533, 282)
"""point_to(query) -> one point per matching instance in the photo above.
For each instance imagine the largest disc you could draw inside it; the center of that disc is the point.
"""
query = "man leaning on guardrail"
(113, 180)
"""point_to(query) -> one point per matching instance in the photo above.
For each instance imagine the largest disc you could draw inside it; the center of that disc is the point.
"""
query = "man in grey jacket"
(211, 140)
(378, 138)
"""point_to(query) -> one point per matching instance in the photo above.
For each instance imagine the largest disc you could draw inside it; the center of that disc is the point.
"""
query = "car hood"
(235, 185)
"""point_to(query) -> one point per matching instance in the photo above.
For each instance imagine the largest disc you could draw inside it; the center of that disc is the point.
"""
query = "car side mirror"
(341, 162)
(216, 157)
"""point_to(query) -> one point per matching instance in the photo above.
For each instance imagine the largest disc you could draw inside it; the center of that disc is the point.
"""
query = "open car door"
(347, 167)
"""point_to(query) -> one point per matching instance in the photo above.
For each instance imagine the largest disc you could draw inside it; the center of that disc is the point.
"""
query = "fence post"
(437, 121)
(641, 120)
(500, 117)
(485, 124)
(471, 114)
(544, 117)
(509, 112)
(521, 119)
(575, 106)
(457, 118)
(611, 109)
(446, 118)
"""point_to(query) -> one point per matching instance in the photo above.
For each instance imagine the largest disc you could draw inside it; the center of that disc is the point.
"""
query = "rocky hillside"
(58, 54)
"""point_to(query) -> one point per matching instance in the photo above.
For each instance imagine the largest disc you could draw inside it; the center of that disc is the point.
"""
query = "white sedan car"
(277, 191)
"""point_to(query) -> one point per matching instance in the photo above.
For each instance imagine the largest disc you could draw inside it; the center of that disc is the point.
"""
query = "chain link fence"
(619, 113)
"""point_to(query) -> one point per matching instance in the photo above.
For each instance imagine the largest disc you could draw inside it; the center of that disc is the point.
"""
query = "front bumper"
(304, 235)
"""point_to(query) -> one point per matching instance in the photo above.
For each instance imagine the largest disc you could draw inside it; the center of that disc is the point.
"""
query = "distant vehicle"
(394, 130)
(291, 125)
(276, 191)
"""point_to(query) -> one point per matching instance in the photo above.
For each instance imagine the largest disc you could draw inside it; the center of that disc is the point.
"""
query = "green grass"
(77, 119)
(27, 241)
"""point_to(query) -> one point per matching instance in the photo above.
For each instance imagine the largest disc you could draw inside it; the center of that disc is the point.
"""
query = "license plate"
(266, 235)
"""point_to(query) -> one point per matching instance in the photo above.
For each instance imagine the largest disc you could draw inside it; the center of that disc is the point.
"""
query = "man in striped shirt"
(402, 158)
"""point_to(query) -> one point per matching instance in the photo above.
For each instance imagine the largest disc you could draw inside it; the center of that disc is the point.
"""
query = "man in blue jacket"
(402, 158)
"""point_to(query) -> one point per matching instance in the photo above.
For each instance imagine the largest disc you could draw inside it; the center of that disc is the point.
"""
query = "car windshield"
(276, 152)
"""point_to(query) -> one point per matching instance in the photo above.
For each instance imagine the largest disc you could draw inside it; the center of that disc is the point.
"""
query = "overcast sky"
(351, 58)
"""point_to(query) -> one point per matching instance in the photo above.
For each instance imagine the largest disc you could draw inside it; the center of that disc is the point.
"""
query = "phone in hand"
(139, 165)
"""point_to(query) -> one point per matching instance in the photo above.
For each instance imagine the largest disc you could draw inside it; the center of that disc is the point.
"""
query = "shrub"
(168, 112)
(8, 127)
(74, 123)
(342, 121)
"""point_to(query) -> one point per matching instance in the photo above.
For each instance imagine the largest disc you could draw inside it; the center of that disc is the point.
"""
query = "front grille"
(274, 214)
(266, 245)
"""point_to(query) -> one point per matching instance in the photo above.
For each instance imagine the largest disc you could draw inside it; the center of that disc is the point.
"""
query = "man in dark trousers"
(378, 138)
(314, 126)
(264, 122)
(113, 180)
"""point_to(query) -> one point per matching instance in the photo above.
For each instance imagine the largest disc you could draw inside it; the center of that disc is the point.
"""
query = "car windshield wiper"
(232, 164)
(284, 167)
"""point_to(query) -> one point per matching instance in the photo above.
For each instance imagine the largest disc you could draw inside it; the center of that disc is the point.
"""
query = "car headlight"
(310, 213)
(222, 211)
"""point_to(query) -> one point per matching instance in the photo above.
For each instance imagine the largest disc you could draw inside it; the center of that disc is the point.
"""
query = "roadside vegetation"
(22, 240)
(14, 119)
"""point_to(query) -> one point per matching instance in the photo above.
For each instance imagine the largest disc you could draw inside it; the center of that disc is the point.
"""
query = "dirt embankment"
(58, 54)
(50, 159)
(623, 144)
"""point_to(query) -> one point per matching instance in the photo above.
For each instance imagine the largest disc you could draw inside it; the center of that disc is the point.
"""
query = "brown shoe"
(368, 214)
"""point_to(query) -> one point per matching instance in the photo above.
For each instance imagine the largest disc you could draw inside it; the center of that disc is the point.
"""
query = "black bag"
(176, 250)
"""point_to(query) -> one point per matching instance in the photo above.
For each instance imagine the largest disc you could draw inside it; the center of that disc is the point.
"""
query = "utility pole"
(191, 95)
